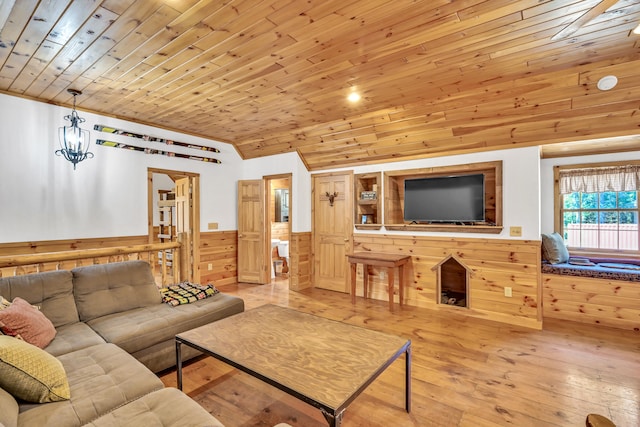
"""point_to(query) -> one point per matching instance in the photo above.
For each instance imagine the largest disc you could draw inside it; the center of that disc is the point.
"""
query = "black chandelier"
(74, 141)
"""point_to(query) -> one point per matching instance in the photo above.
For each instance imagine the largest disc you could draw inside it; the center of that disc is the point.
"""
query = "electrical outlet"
(210, 266)
(515, 231)
(382, 275)
(508, 292)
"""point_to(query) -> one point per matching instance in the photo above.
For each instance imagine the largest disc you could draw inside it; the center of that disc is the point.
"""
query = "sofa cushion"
(163, 408)
(553, 248)
(104, 289)
(8, 409)
(143, 327)
(30, 373)
(51, 291)
(102, 378)
(23, 321)
(75, 336)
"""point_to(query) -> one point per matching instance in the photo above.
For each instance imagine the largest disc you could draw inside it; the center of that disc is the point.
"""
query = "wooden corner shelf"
(367, 211)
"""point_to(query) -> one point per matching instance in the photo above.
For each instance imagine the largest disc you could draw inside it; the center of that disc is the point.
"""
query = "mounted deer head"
(331, 197)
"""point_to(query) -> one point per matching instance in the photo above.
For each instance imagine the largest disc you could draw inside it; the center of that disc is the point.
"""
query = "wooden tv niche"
(394, 197)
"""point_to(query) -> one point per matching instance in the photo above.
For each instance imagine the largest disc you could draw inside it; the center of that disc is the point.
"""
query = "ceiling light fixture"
(607, 82)
(74, 141)
(354, 97)
(636, 30)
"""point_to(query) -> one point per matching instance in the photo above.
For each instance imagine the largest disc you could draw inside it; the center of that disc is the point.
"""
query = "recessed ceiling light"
(636, 30)
(354, 97)
(607, 82)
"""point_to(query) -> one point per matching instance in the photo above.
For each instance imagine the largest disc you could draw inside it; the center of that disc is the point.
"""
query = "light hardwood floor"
(466, 372)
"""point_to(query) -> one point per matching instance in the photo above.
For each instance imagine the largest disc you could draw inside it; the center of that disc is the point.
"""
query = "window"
(599, 207)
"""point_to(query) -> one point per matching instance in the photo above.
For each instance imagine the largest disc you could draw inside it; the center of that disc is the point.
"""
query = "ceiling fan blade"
(588, 16)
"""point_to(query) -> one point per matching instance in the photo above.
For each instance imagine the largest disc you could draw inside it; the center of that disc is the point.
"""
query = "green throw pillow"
(554, 249)
(30, 373)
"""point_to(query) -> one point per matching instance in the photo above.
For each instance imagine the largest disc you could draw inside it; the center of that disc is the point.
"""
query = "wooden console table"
(391, 261)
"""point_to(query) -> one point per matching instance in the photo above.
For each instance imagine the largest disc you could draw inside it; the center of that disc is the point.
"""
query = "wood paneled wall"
(496, 264)
(280, 230)
(219, 249)
(300, 261)
(613, 303)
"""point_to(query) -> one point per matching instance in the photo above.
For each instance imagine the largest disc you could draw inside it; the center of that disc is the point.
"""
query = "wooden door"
(253, 260)
(183, 225)
(332, 230)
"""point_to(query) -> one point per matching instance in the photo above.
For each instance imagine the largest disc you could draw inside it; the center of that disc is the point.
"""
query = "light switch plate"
(515, 231)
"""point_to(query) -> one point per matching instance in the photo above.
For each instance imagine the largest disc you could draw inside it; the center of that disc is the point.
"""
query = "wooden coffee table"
(322, 362)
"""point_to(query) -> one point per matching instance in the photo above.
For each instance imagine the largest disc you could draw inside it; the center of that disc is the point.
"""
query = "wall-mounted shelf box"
(367, 211)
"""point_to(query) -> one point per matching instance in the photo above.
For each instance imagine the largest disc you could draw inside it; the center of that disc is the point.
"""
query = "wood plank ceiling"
(436, 77)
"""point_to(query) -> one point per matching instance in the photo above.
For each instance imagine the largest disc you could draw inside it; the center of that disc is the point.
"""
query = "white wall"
(43, 198)
(546, 173)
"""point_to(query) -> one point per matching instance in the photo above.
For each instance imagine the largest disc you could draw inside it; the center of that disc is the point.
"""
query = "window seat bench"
(606, 293)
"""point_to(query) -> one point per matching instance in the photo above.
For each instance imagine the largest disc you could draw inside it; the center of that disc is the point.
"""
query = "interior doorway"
(279, 225)
(173, 208)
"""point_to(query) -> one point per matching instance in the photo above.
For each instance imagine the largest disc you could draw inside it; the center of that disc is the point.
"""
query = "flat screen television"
(444, 199)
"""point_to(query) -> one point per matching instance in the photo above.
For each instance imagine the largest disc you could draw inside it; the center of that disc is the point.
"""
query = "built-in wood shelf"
(453, 228)
(368, 226)
(367, 214)
(394, 197)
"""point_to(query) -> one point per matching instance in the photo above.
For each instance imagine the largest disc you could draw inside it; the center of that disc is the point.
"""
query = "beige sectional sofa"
(112, 333)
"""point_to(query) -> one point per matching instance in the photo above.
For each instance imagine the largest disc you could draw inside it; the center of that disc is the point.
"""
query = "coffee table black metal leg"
(408, 379)
(333, 420)
(179, 364)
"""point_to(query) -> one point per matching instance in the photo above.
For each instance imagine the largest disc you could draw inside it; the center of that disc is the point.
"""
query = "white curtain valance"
(595, 180)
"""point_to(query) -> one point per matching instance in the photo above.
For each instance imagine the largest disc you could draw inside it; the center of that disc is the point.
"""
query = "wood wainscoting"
(219, 250)
(216, 248)
(300, 272)
(613, 303)
(496, 264)
(280, 230)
